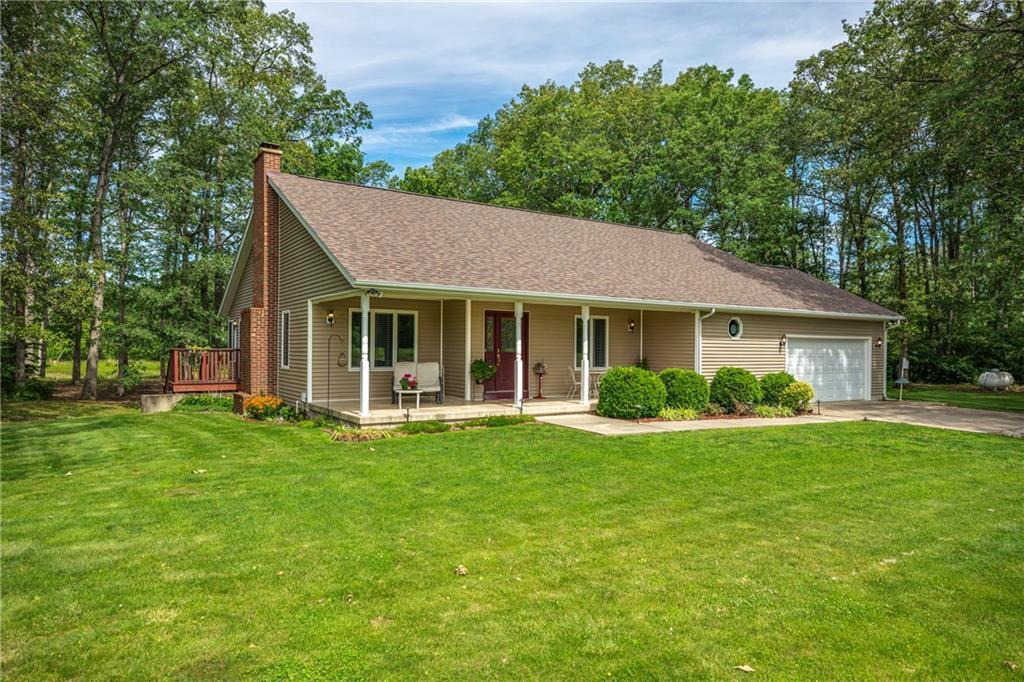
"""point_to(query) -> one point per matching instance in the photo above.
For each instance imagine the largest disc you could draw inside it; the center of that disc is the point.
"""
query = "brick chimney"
(258, 328)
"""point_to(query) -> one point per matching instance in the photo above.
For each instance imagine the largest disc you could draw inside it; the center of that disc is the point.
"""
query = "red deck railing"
(210, 369)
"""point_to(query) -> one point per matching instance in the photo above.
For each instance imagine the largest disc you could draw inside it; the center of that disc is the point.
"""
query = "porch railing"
(210, 369)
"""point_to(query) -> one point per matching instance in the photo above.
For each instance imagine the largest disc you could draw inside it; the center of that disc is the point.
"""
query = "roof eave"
(551, 297)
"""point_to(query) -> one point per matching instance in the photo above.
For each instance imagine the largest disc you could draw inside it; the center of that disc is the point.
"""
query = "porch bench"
(428, 379)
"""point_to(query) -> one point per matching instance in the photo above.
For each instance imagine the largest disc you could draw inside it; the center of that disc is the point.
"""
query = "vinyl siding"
(243, 294)
(344, 382)
(455, 348)
(758, 348)
(304, 272)
(668, 339)
(552, 338)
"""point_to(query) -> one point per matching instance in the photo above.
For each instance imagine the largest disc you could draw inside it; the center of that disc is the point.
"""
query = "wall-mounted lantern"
(631, 326)
(782, 342)
(329, 320)
(878, 342)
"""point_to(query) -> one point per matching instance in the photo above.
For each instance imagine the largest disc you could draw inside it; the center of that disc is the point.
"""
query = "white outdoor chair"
(574, 384)
(428, 377)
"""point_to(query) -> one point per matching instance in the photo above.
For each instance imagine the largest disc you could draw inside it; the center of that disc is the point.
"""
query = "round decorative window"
(735, 328)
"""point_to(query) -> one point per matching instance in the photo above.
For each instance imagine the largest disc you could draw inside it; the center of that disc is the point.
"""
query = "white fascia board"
(236, 271)
(542, 297)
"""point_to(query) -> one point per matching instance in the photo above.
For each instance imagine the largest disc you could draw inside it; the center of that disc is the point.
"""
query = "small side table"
(409, 391)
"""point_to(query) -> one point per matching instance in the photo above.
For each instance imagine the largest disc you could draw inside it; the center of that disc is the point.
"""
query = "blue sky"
(430, 71)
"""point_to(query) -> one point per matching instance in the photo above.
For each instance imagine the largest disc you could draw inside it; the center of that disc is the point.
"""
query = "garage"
(837, 368)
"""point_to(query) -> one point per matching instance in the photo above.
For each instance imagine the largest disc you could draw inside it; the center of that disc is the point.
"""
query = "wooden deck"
(207, 370)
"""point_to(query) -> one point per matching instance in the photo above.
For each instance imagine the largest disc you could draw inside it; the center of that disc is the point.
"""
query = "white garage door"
(836, 368)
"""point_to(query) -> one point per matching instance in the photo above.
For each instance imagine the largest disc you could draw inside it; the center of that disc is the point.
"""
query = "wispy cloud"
(430, 71)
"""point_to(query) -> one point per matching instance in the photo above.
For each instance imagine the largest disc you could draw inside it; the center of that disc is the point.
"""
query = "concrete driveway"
(922, 413)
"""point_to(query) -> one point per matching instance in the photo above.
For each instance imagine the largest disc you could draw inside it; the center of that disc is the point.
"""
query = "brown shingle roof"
(391, 236)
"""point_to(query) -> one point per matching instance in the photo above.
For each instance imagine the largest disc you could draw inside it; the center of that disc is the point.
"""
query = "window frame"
(234, 336)
(283, 359)
(607, 341)
(739, 335)
(353, 362)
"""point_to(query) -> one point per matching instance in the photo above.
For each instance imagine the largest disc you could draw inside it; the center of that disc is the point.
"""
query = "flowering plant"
(262, 407)
(408, 382)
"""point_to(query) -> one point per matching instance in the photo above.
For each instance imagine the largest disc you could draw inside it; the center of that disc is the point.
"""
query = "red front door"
(500, 351)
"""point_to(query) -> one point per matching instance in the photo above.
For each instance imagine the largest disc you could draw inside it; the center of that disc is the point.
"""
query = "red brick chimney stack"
(258, 328)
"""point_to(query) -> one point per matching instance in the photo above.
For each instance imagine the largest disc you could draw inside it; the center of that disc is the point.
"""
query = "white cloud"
(426, 69)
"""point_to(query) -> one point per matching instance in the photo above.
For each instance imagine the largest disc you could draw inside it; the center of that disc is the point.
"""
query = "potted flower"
(481, 371)
(408, 382)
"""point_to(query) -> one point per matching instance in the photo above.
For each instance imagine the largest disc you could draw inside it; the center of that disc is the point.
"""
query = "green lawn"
(61, 369)
(201, 546)
(960, 396)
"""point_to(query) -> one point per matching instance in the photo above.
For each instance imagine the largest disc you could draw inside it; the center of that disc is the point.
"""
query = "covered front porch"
(355, 340)
(385, 413)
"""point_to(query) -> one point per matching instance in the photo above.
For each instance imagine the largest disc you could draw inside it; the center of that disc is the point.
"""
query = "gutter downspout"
(700, 344)
(885, 358)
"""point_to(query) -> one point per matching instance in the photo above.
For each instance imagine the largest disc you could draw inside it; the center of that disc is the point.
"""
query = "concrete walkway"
(917, 413)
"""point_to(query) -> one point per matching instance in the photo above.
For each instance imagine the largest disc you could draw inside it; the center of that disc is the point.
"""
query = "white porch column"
(309, 351)
(364, 354)
(518, 384)
(585, 360)
(468, 393)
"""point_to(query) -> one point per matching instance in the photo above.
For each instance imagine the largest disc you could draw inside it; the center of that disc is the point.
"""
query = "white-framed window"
(285, 343)
(393, 337)
(735, 328)
(598, 342)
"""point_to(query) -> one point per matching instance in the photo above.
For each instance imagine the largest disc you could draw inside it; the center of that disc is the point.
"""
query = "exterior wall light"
(878, 342)
(329, 320)
(631, 326)
(782, 342)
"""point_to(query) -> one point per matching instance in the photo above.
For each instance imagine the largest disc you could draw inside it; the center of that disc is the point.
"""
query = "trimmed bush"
(630, 393)
(202, 402)
(797, 396)
(679, 414)
(734, 388)
(772, 386)
(686, 389)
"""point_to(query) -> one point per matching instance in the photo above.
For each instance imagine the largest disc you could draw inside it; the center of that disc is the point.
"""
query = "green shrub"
(797, 396)
(685, 388)
(714, 410)
(679, 414)
(500, 420)
(772, 386)
(734, 388)
(33, 389)
(132, 376)
(200, 402)
(772, 411)
(630, 393)
(432, 426)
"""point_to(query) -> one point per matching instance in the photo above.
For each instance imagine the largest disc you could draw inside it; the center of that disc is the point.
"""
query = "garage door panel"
(835, 368)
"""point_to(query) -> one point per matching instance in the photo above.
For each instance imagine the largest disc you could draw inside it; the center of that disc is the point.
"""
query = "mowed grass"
(962, 397)
(200, 546)
(107, 369)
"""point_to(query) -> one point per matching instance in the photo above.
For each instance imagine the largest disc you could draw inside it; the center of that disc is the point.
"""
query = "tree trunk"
(76, 354)
(92, 360)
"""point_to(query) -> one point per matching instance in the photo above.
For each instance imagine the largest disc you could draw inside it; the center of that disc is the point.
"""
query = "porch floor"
(383, 413)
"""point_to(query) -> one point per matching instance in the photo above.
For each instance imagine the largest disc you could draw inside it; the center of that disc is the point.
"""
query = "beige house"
(336, 283)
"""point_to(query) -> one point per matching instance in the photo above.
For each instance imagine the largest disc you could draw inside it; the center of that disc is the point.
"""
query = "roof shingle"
(393, 236)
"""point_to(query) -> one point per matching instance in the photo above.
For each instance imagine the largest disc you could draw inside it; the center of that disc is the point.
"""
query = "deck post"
(585, 360)
(518, 383)
(364, 355)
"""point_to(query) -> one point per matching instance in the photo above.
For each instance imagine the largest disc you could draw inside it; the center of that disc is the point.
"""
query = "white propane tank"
(995, 379)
